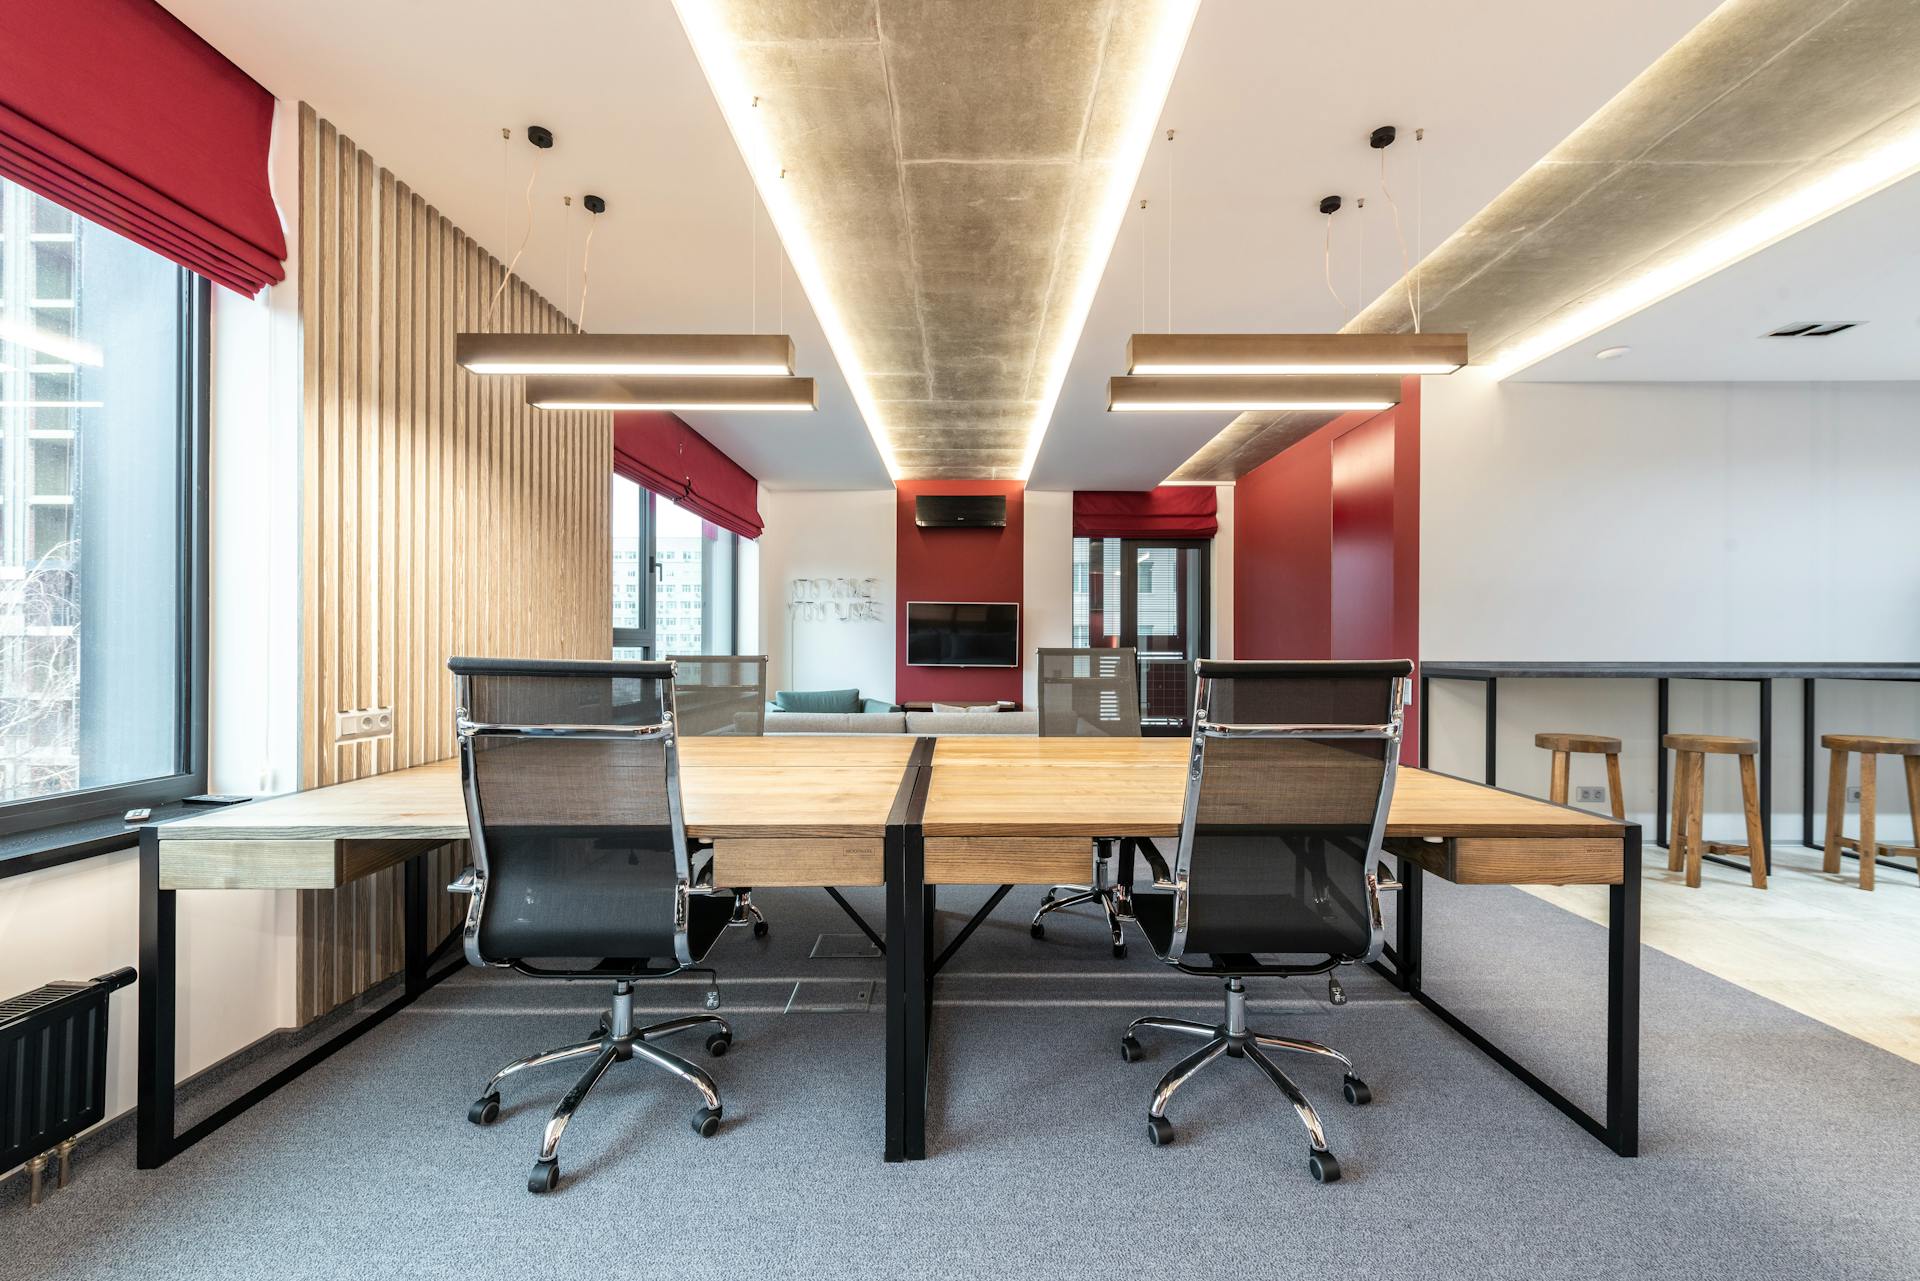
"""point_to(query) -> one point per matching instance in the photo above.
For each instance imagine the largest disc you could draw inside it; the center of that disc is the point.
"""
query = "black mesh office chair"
(723, 694)
(1291, 776)
(581, 864)
(1090, 693)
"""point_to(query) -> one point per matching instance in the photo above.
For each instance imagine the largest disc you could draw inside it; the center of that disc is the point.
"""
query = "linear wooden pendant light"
(641, 355)
(1216, 392)
(795, 395)
(1191, 354)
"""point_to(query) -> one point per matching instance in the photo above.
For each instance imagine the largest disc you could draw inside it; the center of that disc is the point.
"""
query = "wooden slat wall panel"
(440, 514)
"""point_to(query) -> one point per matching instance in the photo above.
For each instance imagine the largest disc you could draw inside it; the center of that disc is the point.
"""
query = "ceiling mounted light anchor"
(594, 204)
(1329, 205)
(540, 136)
(1382, 137)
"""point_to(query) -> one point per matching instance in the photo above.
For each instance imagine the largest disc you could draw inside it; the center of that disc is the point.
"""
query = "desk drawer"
(1514, 860)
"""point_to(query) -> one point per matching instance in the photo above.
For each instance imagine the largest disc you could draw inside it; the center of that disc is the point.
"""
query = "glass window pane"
(682, 545)
(628, 555)
(91, 369)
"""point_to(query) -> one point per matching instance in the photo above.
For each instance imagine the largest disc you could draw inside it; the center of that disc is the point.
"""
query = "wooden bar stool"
(1870, 748)
(1564, 745)
(1690, 752)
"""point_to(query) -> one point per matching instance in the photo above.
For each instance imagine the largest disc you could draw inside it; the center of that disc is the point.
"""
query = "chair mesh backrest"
(576, 835)
(720, 693)
(1089, 692)
(1283, 829)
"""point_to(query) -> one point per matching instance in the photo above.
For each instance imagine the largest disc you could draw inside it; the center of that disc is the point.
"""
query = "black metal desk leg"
(1493, 731)
(1408, 927)
(1660, 722)
(1766, 773)
(414, 925)
(1806, 761)
(906, 997)
(154, 1139)
(1623, 1001)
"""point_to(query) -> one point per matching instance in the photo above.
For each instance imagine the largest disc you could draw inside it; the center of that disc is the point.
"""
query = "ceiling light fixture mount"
(1240, 394)
(1611, 353)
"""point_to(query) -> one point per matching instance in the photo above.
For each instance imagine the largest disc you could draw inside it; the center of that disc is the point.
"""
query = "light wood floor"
(1813, 942)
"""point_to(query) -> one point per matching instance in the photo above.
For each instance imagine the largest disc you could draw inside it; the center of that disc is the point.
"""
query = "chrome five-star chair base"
(1234, 1039)
(616, 1040)
(1111, 897)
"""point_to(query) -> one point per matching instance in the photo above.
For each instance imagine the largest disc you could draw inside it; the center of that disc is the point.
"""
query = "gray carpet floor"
(1773, 1145)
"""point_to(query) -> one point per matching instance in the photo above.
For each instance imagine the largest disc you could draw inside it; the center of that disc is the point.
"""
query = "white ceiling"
(1861, 264)
(1272, 106)
(1273, 102)
(426, 85)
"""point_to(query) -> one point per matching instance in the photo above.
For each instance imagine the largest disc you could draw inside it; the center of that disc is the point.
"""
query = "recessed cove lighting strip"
(1897, 158)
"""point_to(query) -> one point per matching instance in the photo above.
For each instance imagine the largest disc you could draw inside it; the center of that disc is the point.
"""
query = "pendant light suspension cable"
(1406, 266)
(595, 207)
(532, 178)
(1169, 231)
(1143, 265)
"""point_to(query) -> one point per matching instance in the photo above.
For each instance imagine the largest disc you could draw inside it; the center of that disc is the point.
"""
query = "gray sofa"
(987, 722)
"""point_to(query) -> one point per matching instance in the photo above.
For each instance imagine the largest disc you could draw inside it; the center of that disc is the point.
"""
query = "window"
(1160, 610)
(673, 578)
(102, 374)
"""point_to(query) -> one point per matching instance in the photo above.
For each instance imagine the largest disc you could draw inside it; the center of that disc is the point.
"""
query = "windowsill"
(64, 843)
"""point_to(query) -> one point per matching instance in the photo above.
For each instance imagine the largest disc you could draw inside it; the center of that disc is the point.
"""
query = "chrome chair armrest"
(468, 882)
(1384, 881)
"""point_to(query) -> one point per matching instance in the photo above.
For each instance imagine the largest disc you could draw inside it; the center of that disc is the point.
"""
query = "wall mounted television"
(963, 634)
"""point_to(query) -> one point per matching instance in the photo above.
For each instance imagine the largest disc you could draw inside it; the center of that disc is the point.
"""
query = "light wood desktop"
(835, 811)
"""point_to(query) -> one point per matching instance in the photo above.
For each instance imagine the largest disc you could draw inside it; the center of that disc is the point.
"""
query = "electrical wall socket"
(1853, 796)
(367, 723)
(1590, 795)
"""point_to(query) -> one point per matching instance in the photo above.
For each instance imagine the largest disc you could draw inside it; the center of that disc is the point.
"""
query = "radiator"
(53, 1071)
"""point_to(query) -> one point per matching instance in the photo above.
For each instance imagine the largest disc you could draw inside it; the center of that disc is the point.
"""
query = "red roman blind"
(117, 111)
(659, 451)
(1171, 511)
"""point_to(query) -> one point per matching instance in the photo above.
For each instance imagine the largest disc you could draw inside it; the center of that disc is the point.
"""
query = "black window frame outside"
(193, 423)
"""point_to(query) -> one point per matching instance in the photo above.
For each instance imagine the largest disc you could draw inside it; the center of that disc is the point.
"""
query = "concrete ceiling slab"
(1759, 100)
(946, 163)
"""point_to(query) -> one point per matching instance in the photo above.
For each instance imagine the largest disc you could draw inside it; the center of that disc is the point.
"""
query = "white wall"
(827, 534)
(1648, 522)
(1046, 605)
(1222, 558)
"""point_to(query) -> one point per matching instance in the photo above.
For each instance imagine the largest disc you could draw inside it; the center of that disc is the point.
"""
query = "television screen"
(963, 634)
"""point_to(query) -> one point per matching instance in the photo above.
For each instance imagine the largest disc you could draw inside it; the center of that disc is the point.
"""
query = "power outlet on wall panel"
(1590, 795)
(1853, 796)
(367, 723)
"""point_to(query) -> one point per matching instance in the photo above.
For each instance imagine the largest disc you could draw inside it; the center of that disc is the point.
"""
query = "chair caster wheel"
(485, 1109)
(759, 929)
(1119, 951)
(1160, 1130)
(1038, 930)
(718, 1044)
(1324, 1167)
(706, 1122)
(545, 1177)
(1357, 1092)
(1130, 1049)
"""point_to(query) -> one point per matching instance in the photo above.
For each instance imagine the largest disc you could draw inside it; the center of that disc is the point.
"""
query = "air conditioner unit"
(960, 511)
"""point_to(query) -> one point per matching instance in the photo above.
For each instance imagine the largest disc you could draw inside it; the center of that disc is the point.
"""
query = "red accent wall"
(957, 564)
(1327, 545)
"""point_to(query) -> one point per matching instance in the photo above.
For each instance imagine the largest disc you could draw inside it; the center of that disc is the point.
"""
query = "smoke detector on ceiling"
(1816, 329)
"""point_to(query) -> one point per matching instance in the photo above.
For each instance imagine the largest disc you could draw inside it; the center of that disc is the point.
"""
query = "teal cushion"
(817, 700)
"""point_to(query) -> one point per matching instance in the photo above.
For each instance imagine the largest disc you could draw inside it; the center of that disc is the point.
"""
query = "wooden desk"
(911, 814)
